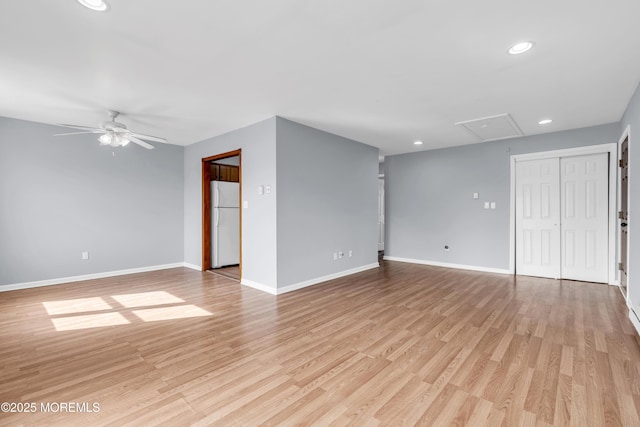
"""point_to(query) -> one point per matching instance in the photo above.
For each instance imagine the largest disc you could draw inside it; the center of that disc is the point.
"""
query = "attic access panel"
(492, 128)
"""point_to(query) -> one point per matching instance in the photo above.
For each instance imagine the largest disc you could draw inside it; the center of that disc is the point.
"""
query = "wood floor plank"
(579, 415)
(480, 413)
(400, 345)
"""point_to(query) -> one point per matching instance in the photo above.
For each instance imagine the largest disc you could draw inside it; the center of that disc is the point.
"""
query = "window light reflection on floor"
(146, 299)
(80, 305)
(168, 313)
(95, 312)
(89, 321)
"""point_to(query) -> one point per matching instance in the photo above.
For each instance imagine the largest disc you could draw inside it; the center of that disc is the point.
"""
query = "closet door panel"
(584, 183)
(538, 218)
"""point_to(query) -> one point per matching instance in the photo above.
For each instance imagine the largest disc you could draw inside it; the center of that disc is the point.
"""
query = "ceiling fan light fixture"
(105, 139)
(115, 134)
(521, 47)
(119, 141)
(97, 5)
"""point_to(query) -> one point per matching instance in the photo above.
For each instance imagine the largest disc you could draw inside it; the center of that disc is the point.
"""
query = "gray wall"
(632, 118)
(258, 144)
(63, 195)
(429, 197)
(327, 201)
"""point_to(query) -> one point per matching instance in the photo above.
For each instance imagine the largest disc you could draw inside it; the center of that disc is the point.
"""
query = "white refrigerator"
(225, 227)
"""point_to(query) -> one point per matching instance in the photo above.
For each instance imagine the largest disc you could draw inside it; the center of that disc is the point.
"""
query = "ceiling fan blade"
(81, 127)
(140, 142)
(78, 133)
(149, 137)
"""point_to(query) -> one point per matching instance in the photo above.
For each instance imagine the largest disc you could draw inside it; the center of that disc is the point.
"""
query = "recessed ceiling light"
(521, 47)
(417, 143)
(97, 5)
(545, 122)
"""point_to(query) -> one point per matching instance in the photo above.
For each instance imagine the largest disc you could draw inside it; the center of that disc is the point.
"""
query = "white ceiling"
(381, 72)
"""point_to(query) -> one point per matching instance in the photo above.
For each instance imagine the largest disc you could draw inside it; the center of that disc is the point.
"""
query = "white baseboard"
(317, 280)
(634, 320)
(62, 280)
(259, 286)
(192, 266)
(448, 265)
(300, 285)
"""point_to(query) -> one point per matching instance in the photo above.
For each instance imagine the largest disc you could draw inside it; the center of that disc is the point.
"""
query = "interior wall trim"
(317, 280)
(71, 279)
(450, 265)
(192, 266)
(633, 316)
(259, 286)
(306, 283)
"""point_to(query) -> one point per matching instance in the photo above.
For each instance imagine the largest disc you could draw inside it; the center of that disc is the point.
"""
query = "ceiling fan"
(115, 134)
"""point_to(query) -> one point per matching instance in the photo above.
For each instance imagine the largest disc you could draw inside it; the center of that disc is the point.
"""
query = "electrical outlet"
(335, 256)
(350, 253)
(85, 255)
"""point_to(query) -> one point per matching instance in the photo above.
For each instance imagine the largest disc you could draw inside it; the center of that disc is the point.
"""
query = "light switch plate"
(493, 205)
(245, 204)
(476, 195)
(486, 205)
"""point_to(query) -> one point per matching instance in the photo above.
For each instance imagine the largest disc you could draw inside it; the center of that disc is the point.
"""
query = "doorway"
(623, 214)
(221, 214)
(561, 217)
(562, 214)
(381, 215)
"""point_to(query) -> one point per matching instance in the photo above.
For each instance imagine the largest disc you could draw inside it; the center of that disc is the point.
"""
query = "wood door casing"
(206, 205)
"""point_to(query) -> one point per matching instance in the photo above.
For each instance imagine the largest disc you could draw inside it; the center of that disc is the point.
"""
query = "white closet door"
(584, 194)
(538, 218)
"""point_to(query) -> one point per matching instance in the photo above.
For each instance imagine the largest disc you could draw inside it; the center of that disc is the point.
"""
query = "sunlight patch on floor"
(118, 312)
(168, 313)
(146, 299)
(80, 305)
(89, 321)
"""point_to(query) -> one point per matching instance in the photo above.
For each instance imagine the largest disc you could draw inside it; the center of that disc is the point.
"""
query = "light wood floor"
(232, 272)
(399, 345)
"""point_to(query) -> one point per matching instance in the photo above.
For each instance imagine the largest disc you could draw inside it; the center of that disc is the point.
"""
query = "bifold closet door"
(585, 217)
(562, 217)
(538, 218)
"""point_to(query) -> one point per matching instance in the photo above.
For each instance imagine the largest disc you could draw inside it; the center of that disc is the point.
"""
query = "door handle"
(623, 224)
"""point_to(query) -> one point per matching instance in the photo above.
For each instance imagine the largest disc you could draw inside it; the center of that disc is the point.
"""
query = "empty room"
(327, 213)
